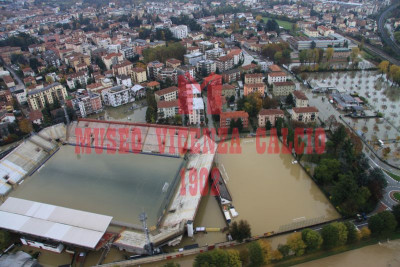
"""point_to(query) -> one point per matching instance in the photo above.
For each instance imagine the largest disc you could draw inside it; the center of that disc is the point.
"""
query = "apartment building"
(139, 75)
(226, 117)
(167, 94)
(117, 96)
(278, 76)
(300, 99)
(253, 78)
(37, 97)
(304, 114)
(254, 88)
(283, 88)
(270, 115)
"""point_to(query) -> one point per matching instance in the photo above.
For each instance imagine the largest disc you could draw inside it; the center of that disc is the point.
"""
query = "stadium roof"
(65, 225)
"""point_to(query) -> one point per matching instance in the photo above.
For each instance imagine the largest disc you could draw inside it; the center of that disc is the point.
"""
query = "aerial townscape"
(199, 133)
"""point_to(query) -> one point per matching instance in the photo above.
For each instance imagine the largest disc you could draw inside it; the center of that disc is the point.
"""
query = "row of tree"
(278, 52)
(392, 71)
(162, 53)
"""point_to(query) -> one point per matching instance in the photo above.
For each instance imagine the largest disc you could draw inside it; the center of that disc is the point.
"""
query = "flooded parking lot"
(124, 113)
(270, 192)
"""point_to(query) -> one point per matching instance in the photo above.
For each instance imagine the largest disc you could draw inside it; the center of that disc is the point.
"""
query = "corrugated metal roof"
(75, 227)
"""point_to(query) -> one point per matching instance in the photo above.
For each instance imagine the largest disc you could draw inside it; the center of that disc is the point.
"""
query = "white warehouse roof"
(65, 225)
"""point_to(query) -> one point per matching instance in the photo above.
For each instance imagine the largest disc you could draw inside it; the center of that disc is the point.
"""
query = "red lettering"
(285, 148)
(209, 136)
(99, 147)
(83, 140)
(136, 136)
(216, 175)
(183, 182)
(273, 146)
(123, 137)
(172, 141)
(261, 132)
(203, 181)
(299, 132)
(194, 135)
(222, 146)
(320, 139)
(110, 136)
(235, 139)
(161, 142)
(309, 141)
(193, 182)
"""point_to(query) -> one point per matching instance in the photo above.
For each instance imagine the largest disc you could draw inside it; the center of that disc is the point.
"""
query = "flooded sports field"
(270, 192)
(118, 185)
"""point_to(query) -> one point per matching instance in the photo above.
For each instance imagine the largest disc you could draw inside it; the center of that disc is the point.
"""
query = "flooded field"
(385, 254)
(379, 92)
(270, 192)
(123, 113)
(120, 185)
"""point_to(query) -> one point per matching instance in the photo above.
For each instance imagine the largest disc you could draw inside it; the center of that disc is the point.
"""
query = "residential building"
(283, 88)
(123, 68)
(112, 59)
(226, 117)
(228, 90)
(153, 68)
(180, 31)
(77, 79)
(253, 78)
(168, 73)
(254, 88)
(173, 63)
(87, 103)
(139, 75)
(269, 115)
(193, 58)
(215, 53)
(167, 94)
(166, 109)
(224, 63)
(206, 67)
(186, 69)
(274, 77)
(300, 99)
(231, 76)
(117, 96)
(37, 98)
(304, 114)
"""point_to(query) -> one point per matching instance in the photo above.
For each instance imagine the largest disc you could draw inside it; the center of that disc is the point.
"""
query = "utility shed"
(68, 226)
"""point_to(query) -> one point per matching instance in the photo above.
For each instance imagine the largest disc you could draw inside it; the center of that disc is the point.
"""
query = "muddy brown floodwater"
(385, 254)
(270, 192)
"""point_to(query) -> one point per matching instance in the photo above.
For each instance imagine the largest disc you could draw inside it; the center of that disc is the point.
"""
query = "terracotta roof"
(287, 83)
(153, 84)
(271, 112)
(253, 75)
(254, 85)
(277, 74)
(138, 69)
(300, 95)
(167, 104)
(35, 115)
(274, 68)
(226, 86)
(305, 109)
(167, 90)
(234, 114)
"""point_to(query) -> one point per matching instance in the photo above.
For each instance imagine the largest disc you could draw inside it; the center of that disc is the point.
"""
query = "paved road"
(325, 111)
(381, 28)
(15, 76)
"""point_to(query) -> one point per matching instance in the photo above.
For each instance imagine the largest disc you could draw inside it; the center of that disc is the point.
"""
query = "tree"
(303, 56)
(365, 232)
(25, 126)
(382, 223)
(355, 51)
(334, 234)
(278, 57)
(296, 243)
(256, 254)
(218, 257)
(268, 125)
(352, 234)
(270, 103)
(329, 53)
(396, 213)
(313, 45)
(267, 250)
(327, 170)
(284, 250)
(312, 239)
(290, 100)
(99, 62)
(171, 264)
(383, 67)
(240, 231)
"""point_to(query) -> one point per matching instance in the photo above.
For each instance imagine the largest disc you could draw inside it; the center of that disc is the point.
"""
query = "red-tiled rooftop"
(254, 75)
(287, 83)
(274, 68)
(167, 104)
(300, 95)
(234, 114)
(167, 90)
(277, 74)
(305, 109)
(271, 112)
